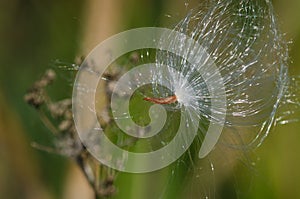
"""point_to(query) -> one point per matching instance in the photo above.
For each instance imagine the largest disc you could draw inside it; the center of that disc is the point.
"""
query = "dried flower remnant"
(36, 96)
(67, 142)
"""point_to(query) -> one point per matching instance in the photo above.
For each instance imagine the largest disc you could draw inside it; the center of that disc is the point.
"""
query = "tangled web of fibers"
(242, 40)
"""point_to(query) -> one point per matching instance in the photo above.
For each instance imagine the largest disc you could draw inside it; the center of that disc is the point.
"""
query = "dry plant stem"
(67, 142)
(109, 16)
(48, 123)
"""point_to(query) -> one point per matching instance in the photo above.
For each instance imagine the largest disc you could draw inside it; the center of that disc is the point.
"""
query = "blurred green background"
(33, 34)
